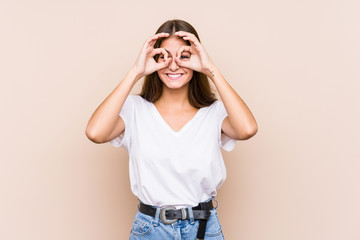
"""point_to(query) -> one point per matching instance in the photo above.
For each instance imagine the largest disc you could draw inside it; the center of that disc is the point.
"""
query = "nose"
(173, 65)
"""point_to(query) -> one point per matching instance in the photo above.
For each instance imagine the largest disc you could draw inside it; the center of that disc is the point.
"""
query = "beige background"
(295, 63)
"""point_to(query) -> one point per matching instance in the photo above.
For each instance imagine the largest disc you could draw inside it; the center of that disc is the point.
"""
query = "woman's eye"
(185, 57)
(162, 57)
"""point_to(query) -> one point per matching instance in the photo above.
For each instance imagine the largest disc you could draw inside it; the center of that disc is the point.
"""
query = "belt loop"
(191, 215)
(157, 215)
(217, 202)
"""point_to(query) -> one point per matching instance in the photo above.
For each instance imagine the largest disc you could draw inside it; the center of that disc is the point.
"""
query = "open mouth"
(174, 76)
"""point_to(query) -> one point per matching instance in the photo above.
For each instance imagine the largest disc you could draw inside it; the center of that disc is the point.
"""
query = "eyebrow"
(168, 52)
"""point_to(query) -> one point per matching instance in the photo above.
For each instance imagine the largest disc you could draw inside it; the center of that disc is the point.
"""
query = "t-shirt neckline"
(166, 125)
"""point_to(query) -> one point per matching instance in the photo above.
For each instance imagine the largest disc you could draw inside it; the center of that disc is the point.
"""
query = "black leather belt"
(169, 215)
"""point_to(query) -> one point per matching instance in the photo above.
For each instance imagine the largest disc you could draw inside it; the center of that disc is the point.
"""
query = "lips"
(174, 76)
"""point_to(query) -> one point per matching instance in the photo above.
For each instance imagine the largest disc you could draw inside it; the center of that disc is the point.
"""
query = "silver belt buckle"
(163, 218)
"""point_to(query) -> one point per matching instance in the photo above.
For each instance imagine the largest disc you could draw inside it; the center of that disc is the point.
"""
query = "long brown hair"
(200, 93)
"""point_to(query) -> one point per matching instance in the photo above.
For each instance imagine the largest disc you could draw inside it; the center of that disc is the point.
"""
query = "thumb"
(164, 64)
(180, 63)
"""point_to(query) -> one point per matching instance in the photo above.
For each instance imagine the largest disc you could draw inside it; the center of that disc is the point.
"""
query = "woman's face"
(174, 76)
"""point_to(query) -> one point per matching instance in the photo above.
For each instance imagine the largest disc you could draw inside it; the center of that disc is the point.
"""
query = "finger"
(183, 49)
(188, 36)
(185, 64)
(158, 51)
(183, 33)
(157, 36)
(162, 65)
(151, 41)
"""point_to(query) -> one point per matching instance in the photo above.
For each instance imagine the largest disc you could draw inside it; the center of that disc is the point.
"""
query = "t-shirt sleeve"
(127, 114)
(225, 142)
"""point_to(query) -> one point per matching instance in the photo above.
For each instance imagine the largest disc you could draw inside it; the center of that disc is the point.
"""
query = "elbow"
(93, 136)
(252, 132)
(248, 133)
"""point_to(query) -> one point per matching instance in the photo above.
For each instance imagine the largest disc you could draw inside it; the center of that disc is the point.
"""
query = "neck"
(176, 98)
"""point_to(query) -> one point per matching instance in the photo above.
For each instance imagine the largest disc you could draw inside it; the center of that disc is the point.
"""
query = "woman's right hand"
(145, 63)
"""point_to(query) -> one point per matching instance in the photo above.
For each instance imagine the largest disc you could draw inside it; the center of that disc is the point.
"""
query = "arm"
(105, 124)
(240, 123)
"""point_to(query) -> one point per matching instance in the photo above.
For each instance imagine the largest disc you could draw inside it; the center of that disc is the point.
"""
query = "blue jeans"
(151, 228)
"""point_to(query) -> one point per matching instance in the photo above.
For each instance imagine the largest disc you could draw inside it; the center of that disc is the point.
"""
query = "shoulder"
(215, 110)
(137, 104)
(216, 106)
(136, 100)
(218, 109)
(218, 103)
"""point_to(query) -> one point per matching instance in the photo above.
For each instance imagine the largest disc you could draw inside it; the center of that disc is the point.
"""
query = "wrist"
(135, 73)
(211, 72)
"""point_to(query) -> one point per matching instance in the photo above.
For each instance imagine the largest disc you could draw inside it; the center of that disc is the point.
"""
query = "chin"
(175, 85)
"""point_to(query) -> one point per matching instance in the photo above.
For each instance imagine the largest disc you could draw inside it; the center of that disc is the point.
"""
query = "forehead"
(173, 43)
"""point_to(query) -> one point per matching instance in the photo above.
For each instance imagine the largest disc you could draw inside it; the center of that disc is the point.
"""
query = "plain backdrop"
(295, 63)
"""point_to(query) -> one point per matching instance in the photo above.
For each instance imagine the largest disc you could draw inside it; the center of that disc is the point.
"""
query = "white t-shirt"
(169, 168)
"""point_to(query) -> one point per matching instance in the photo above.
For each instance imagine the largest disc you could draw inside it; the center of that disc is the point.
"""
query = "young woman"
(173, 132)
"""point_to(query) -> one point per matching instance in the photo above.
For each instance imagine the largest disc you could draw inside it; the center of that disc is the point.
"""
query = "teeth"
(174, 75)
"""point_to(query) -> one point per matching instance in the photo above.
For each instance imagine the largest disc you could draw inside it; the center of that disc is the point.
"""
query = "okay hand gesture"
(145, 63)
(199, 59)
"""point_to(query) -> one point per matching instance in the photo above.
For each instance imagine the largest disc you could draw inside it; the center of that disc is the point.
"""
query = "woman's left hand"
(199, 60)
